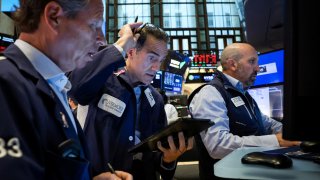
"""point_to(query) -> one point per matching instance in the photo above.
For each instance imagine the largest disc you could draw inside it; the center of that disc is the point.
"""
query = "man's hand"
(171, 154)
(119, 175)
(128, 39)
(286, 143)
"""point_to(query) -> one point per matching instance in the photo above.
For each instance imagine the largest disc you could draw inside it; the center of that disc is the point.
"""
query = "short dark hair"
(27, 15)
(74, 101)
(154, 31)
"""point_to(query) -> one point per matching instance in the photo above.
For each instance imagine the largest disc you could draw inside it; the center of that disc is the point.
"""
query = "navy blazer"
(32, 125)
(109, 137)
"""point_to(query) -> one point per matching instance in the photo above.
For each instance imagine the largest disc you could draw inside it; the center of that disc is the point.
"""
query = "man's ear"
(53, 13)
(131, 52)
(232, 64)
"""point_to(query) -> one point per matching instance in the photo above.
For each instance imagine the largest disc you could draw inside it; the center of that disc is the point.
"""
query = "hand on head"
(171, 154)
(127, 39)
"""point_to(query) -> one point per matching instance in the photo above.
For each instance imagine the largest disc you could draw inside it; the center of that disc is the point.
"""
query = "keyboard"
(296, 152)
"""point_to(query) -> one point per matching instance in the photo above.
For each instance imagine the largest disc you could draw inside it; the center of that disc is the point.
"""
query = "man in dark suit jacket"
(126, 109)
(39, 137)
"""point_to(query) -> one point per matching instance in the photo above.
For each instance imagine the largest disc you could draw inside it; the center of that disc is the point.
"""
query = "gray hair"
(27, 15)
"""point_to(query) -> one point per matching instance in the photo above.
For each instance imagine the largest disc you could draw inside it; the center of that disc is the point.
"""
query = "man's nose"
(156, 66)
(257, 69)
(100, 40)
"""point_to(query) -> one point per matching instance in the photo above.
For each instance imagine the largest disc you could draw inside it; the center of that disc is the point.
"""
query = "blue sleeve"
(87, 82)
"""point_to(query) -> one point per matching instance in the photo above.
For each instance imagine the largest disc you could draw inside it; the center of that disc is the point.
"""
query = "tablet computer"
(189, 127)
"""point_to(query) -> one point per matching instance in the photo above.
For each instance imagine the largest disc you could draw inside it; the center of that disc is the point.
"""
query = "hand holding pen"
(127, 37)
(113, 175)
(138, 30)
(111, 169)
(120, 174)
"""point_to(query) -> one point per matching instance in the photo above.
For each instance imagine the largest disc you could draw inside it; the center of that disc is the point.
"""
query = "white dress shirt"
(171, 113)
(208, 103)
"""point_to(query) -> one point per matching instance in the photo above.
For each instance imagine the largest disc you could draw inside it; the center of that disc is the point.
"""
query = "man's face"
(80, 37)
(146, 62)
(247, 68)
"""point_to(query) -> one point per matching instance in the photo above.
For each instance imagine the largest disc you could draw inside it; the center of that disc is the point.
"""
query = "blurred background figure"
(171, 111)
(73, 105)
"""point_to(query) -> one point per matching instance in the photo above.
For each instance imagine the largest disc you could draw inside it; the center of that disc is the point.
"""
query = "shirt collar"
(235, 83)
(47, 69)
(125, 75)
(60, 81)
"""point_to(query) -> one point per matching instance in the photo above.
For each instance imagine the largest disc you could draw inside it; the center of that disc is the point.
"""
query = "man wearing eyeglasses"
(127, 109)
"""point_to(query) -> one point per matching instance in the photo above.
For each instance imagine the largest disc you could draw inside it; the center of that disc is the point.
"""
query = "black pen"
(134, 29)
(111, 169)
(138, 30)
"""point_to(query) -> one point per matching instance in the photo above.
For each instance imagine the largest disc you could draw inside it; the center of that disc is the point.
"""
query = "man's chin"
(250, 84)
(252, 80)
(147, 82)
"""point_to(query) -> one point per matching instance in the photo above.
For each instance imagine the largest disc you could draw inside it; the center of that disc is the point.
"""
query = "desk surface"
(231, 167)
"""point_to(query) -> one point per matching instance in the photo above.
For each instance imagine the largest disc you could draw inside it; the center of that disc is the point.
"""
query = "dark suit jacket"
(109, 136)
(32, 126)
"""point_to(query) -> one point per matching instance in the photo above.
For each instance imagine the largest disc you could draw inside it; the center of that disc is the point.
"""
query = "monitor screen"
(269, 100)
(5, 41)
(157, 80)
(204, 60)
(208, 77)
(301, 96)
(199, 77)
(175, 62)
(178, 100)
(9, 5)
(194, 78)
(271, 68)
(172, 83)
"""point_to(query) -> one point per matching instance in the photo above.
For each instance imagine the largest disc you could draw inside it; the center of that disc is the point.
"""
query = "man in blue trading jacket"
(238, 120)
(39, 137)
(128, 109)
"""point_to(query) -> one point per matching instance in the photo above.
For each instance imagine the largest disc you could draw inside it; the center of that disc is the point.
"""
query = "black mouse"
(268, 159)
(310, 147)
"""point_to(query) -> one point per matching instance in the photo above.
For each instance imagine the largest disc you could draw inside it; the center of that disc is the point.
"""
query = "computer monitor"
(9, 5)
(175, 62)
(172, 83)
(5, 41)
(199, 77)
(301, 72)
(204, 61)
(269, 99)
(271, 68)
(178, 100)
(157, 80)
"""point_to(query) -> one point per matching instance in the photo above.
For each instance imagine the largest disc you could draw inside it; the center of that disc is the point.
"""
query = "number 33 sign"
(11, 148)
